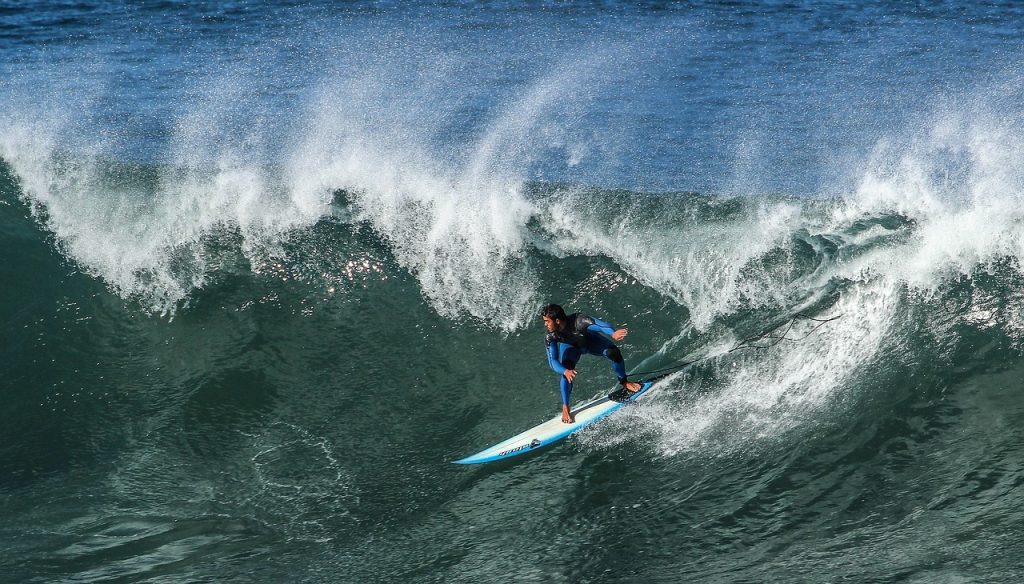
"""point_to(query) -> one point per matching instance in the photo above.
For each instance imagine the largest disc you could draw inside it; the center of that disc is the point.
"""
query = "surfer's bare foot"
(632, 386)
(567, 415)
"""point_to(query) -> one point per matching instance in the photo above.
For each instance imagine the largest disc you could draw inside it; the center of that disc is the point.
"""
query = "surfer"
(569, 337)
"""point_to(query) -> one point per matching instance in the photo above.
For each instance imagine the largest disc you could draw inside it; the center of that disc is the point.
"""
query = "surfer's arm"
(552, 351)
(601, 326)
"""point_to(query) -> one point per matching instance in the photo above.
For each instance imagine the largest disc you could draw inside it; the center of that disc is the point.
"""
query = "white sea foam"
(455, 214)
(961, 180)
(457, 226)
(143, 239)
(960, 183)
(763, 394)
(704, 266)
(378, 125)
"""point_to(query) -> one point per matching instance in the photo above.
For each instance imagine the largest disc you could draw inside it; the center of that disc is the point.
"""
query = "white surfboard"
(554, 429)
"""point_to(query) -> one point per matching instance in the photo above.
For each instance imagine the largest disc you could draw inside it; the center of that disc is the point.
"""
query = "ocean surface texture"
(268, 268)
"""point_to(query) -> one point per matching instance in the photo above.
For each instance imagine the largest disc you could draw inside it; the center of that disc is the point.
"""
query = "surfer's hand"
(567, 415)
(570, 374)
(620, 334)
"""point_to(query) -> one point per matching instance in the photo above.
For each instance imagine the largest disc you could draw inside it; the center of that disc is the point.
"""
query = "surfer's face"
(552, 325)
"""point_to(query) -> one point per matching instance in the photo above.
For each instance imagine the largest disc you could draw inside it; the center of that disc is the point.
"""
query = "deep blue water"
(270, 267)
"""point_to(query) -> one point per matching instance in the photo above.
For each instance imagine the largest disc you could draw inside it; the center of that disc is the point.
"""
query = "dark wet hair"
(554, 312)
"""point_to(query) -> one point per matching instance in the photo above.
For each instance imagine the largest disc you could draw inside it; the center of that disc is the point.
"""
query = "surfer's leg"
(568, 356)
(565, 386)
(618, 363)
(600, 345)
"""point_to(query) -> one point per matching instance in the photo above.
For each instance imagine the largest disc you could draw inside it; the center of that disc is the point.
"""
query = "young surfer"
(569, 337)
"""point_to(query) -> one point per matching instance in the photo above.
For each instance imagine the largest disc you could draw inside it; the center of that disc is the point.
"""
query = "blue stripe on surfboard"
(483, 456)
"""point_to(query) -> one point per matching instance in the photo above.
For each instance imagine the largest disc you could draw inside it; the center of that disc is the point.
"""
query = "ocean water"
(270, 267)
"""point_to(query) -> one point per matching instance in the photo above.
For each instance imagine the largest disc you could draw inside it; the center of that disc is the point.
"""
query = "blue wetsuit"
(582, 334)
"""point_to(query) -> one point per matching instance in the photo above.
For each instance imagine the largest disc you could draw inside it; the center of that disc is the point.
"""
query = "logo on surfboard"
(533, 444)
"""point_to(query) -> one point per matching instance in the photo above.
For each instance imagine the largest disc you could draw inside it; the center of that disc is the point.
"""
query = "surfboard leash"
(776, 339)
(746, 343)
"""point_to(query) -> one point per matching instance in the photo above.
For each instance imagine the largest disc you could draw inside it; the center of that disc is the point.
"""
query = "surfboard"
(554, 429)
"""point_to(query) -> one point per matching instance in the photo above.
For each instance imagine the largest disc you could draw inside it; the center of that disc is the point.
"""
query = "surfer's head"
(554, 317)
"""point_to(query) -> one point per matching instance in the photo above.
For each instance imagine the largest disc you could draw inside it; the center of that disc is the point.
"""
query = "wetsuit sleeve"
(551, 349)
(601, 326)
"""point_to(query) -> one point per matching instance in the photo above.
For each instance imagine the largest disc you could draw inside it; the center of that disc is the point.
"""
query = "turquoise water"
(270, 269)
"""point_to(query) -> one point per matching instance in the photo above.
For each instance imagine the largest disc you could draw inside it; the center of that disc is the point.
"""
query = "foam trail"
(763, 395)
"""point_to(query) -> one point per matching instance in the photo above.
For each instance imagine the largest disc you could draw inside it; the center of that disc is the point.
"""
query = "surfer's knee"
(615, 354)
(568, 363)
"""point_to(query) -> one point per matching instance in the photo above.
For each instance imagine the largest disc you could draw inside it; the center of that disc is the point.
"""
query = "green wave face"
(301, 380)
